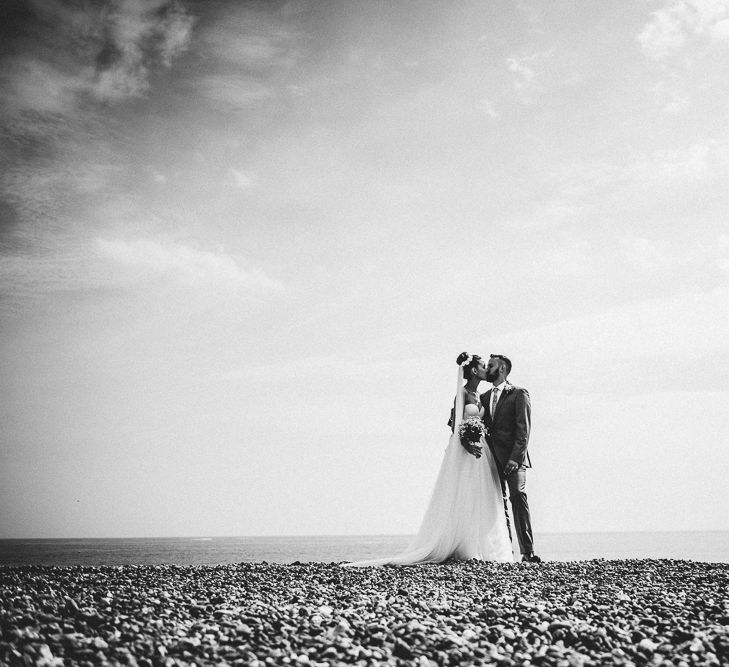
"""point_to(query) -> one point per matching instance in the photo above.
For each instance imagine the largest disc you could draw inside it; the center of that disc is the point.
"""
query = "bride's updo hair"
(471, 364)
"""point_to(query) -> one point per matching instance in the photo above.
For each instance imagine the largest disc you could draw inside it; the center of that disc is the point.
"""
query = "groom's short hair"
(505, 360)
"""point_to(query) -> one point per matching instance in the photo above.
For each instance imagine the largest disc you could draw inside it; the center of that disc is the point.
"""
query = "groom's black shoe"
(531, 558)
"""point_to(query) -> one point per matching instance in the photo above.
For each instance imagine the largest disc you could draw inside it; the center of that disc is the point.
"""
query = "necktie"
(494, 400)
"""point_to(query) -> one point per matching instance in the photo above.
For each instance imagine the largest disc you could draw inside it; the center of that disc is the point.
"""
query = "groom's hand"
(511, 466)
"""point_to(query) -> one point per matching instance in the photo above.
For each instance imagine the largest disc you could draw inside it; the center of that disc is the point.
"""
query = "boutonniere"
(508, 387)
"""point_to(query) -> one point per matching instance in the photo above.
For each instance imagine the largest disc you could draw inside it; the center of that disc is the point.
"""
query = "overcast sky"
(242, 244)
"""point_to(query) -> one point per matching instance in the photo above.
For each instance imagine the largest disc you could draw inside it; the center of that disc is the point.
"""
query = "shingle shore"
(627, 612)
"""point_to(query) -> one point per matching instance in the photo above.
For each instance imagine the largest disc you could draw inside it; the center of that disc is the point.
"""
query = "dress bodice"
(471, 410)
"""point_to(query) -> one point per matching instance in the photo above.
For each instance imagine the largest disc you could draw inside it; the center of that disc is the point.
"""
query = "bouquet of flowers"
(471, 431)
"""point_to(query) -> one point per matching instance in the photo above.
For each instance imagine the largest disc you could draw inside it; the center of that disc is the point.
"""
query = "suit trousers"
(515, 485)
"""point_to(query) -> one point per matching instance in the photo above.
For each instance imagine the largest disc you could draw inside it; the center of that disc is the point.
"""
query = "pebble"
(647, 645)
(574, 614)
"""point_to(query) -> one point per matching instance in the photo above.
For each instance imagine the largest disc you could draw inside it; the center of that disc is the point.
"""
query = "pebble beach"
(599, 612)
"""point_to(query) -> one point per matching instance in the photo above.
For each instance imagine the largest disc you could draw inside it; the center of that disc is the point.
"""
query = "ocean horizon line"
(348, 535)
(211, 550)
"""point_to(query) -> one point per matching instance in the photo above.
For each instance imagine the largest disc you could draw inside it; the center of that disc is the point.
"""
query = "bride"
(465, 517)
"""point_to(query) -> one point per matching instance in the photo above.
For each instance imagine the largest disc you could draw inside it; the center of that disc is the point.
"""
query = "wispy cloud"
(251, 48)
(687, 324)
(671, 95)
(677, 22)
(252, 39)
(25, 275)
(644, 253)
(648, 173)
(691, 163)
(720, 32)
(144, 259)
(31, 85)
(565, 256)
(242, 180)
(105, 53)
(28, 274)
(65, 68)
(488, 108)
(679, 260)
(234, 92)
(687, 42)
(526, 82)
(664, 33)
(551, 212)
(531, 13)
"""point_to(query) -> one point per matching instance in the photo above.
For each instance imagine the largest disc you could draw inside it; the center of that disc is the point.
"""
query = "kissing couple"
(484, 466)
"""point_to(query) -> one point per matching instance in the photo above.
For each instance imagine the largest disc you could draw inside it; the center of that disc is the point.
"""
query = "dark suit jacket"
(508, 431)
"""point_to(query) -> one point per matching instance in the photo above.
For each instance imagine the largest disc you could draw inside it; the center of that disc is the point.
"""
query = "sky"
(242, 244)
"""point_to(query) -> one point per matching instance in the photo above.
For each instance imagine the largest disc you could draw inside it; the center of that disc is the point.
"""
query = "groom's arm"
(523, 426)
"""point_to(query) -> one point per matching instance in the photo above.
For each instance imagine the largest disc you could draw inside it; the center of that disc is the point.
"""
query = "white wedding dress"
(465, 517)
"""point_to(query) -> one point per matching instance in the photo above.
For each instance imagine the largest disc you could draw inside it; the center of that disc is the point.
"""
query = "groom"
(508, 418)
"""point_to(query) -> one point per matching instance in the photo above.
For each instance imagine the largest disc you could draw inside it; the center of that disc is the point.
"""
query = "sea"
(708, 546)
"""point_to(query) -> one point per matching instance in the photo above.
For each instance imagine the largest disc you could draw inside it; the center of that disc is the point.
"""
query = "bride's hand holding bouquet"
(470, 431)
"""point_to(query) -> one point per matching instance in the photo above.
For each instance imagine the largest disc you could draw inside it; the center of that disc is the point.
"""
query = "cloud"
(549, 212)
(663, 34)
(679, 21)
(24, 275)
(692, 163)
(234, 92)
(564, 256)
(671, 95)
(249, 47)
(66, 55)
(242, 180)
(630, 340)
(63, 66)
(43, 191)
(526, 83)
(77, 266)
(525, 75)
(59, 63)
(676, 171)
(30, 84)
(249, 40)
(145, 259)
(488, 108)
(644, 253)
(135, 36)
(651, 179)
(720, 32)
(531, 13)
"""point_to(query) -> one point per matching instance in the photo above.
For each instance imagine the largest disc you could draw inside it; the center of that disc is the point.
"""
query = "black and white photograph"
(364, 332)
